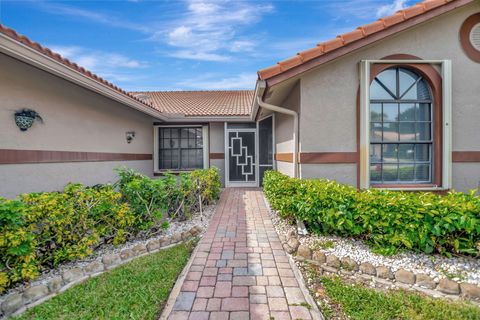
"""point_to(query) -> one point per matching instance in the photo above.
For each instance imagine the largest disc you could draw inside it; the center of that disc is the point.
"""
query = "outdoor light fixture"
(24, 118)
(130, 135)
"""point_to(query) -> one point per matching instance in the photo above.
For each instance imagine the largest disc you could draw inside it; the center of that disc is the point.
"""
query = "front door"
(241, 164)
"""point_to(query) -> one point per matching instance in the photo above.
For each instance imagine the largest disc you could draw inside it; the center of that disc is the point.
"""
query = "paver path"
(240, 270)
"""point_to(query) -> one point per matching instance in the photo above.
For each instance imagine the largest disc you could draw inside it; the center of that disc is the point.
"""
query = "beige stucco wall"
(217, 138)
(25, 178)
(328, 96)
(75, 119)
(284, 130)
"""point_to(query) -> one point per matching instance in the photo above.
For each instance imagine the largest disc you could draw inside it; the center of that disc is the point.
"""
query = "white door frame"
(229, 183)
(272, 115)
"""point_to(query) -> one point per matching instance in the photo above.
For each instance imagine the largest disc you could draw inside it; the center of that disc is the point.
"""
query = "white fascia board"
(28, 55)
(260, 88)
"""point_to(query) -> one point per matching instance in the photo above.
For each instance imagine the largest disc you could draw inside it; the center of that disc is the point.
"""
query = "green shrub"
(40, 230)
(387, 220)
(155, 201)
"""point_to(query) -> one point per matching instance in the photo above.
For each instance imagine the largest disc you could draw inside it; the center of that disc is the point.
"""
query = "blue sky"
(186, 45)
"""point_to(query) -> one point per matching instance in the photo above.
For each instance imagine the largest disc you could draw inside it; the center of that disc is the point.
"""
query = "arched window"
(401, 128)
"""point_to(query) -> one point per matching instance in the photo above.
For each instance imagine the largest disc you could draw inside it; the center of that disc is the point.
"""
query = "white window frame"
(446, 74)
(156, 156)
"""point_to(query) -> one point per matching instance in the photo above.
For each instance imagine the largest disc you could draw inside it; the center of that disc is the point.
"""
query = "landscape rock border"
(17, 301)
(377, 276)
(380, 276)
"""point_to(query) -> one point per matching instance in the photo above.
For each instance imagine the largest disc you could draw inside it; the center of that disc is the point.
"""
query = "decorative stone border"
(380, 276)
(31, 295)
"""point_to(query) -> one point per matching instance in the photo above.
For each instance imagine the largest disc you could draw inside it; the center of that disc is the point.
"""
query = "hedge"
(387, 220)
(40, 230)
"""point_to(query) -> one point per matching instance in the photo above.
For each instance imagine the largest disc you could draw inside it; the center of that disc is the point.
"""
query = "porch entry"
(249, 152)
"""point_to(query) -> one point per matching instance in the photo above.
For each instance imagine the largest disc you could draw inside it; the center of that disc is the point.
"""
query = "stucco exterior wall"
(75, 119)
(217, 138)
(284, 130)
(328, 96)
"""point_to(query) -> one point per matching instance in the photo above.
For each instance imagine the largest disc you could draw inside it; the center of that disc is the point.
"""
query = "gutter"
(259, 102)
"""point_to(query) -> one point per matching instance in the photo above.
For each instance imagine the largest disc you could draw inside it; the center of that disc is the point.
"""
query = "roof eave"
(32, 57)
(189, 119)
(260, 88)
(358, 44)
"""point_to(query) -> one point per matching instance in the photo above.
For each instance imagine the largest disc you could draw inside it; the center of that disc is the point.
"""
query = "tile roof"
(55, 56)
(201, 103)
(353, 36)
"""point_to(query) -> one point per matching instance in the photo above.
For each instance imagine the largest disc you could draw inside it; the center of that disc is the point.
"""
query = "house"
(392, 104)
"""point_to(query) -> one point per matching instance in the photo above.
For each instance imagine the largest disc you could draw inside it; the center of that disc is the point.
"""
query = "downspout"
(289, 112)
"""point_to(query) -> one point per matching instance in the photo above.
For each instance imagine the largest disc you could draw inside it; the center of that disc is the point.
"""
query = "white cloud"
(391, 8)
(107, 19)
(215, 82)
(203, 56)
(364, 9)
(209, 30)
(109, 65)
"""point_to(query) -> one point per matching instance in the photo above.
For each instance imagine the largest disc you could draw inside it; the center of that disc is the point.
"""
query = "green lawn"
(362, 303)
(136, 290)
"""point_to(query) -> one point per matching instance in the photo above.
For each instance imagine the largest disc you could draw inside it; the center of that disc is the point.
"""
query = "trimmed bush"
(40, 230)
(156, 201)
(388, 220)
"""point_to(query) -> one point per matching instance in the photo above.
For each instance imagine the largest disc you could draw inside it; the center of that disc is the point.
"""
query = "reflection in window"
(401, 136)
(180, 148)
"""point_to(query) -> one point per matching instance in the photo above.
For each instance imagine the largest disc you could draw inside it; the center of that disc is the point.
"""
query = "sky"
(143, 45)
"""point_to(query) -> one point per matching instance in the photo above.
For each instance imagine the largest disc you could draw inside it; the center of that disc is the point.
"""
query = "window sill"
(408, 187)
(174, 172)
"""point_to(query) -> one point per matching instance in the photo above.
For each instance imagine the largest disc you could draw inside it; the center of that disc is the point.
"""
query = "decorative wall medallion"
(470, 37)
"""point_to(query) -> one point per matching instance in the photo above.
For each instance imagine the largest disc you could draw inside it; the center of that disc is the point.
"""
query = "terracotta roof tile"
(413, 11)
(332, 44)
(55, 56)
(352, 36)
(291, 62)
(200, 103)
(393, 19)
(372, 27)
(312, 53)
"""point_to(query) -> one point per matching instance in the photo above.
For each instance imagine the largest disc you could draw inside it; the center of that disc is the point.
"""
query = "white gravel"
(461, 269)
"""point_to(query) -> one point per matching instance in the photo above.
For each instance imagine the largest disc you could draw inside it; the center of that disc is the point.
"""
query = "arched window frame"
(442, 96)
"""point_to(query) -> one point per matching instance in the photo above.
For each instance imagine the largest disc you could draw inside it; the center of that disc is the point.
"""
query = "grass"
(136, 290)
(355, 301)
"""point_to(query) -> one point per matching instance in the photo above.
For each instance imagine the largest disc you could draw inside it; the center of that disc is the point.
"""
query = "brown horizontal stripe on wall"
(466, 156)
(328, 157)
(284, 157)
(9, 156)
(218, 155)
(319, 157)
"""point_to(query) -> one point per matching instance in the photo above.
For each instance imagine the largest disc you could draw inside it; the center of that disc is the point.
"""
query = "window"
(401, 128)
(405, 134)
(180, 148)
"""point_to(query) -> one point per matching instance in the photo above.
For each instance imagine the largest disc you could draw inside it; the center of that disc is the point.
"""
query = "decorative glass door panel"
(241, 156)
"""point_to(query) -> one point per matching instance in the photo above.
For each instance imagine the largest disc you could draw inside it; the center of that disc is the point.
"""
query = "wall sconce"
(24, 118)
(130, 135)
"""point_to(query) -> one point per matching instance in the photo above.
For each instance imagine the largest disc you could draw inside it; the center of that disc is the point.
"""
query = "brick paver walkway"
(240, 270)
